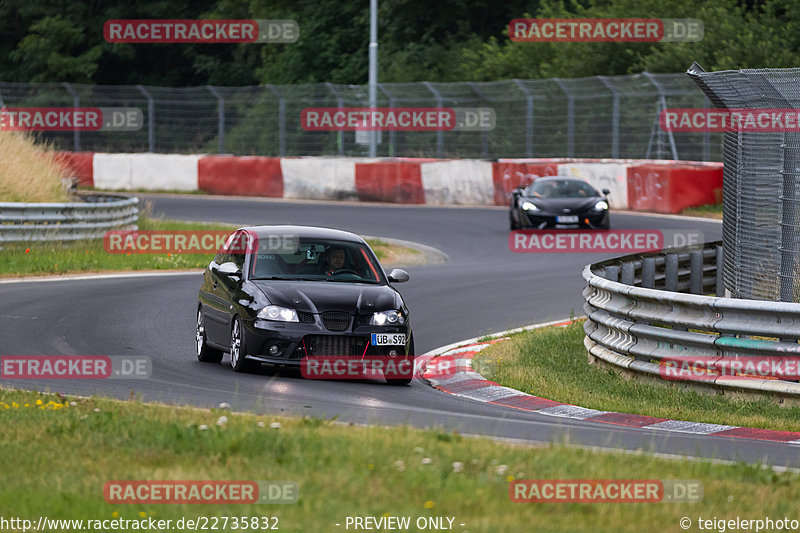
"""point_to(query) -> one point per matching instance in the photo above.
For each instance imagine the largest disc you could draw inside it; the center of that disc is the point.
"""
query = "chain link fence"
(595, 117)
(760, 226)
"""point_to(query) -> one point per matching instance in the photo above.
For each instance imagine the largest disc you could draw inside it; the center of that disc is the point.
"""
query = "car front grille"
(305, 318)
(335, 345)
(335, 321)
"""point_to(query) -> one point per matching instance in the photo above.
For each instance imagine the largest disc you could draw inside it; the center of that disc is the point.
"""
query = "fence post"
(484, 134)
(439, 133)
(614, 117)
(392, 141)
(528, 118)
(76, 103)
(339, 104)
(151, 115)
(706, 134)
(661, 106)
(281, 120)
(220, 118)
(570, 117)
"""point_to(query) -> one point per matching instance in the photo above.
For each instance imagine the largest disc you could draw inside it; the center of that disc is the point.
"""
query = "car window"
(561, 189)
(317, 260)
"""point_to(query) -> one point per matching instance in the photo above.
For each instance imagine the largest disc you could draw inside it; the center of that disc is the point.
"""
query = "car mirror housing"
(606, 192)
(229, 269)
(398, 275)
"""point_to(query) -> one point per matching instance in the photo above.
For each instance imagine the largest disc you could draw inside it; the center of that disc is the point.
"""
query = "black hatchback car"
(559, 202)
(278, 294)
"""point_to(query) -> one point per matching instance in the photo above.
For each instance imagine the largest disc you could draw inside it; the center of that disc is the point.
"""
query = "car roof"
(304, 232)
(560, 178)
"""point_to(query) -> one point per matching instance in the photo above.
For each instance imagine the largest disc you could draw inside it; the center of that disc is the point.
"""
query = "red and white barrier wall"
(662, 186)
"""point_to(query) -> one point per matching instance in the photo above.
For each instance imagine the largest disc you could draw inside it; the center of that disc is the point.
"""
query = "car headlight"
(602, 205)
(528, 206)
(278, 313)
(387, 318)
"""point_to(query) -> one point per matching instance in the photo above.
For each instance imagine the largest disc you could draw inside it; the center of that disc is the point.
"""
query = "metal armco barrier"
(88, 219)
(644, 308)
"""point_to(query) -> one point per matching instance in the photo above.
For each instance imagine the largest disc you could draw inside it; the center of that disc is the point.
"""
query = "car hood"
(323, 296)
(558, 205)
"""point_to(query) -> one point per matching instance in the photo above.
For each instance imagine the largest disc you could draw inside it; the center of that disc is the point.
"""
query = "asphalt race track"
(482, 288)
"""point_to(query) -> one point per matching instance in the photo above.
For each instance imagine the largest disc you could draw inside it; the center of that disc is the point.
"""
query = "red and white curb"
(449, 369)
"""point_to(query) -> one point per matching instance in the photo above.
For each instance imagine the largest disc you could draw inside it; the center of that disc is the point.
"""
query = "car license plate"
(388, 339)
(570, 219)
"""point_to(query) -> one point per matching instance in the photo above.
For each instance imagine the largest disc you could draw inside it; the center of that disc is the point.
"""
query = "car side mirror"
(213, 266)
(606, 192)
(398, 275)
(229, 269)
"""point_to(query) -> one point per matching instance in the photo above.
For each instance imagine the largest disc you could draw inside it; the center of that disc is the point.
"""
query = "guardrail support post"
(671, 272)
(627, 273)
(696, 272)
(611, 273)
(649, 272)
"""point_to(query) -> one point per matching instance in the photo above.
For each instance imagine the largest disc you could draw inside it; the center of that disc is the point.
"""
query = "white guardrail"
(88, 219)
(638, 321)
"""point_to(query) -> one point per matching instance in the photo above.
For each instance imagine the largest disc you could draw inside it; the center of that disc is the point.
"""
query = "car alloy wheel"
(238, 355)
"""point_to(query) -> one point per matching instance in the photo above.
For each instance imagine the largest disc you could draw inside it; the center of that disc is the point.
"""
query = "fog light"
(273, 350)
(392, 353)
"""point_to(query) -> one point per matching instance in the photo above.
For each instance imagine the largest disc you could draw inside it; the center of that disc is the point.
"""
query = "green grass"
(55, 462)
(707, 211)
(552, 363)
(34, 258)
(41, 258)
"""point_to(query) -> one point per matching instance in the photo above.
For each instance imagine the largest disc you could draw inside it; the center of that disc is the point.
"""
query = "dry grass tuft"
(29, 171)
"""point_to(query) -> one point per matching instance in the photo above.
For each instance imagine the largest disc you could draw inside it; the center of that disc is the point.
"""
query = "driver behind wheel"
(335, 259)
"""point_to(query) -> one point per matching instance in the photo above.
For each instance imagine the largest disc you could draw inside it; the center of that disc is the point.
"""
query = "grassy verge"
(89, 256)
(551, 363)
(56, 461)
(29, 172)
(36, 258)
(707, 211)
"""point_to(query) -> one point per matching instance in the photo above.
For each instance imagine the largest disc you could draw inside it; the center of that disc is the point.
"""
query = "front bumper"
(545, 220)
(296, 340)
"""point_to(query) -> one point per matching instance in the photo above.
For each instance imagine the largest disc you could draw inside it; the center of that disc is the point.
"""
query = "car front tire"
(205, 353)
(239, 360)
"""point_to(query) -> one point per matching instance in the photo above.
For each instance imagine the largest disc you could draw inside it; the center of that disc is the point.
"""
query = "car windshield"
(567, 188)
(320, 260)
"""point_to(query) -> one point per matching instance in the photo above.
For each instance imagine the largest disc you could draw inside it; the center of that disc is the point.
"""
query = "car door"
(217, 302)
